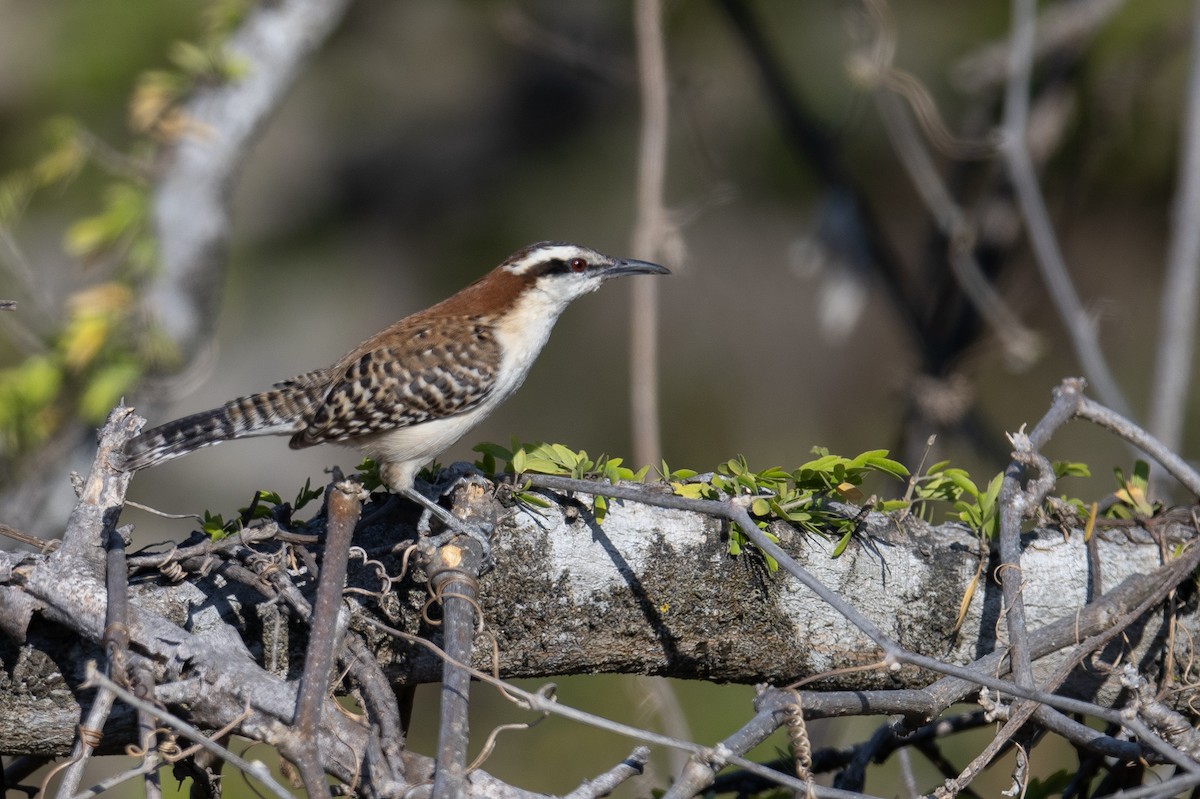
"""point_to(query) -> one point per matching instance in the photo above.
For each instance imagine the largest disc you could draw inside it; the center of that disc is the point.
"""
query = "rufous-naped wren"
(413, 389)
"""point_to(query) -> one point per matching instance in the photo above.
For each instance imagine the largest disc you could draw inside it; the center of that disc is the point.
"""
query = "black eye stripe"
(574, 265)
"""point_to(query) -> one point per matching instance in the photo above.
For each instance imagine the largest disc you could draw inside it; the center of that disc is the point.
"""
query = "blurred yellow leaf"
(155, 93)
(93, 314)
(125, 208)
(108, 297)
(83, 338)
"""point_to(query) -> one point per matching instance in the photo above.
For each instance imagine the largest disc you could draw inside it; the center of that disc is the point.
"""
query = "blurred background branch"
(655, 238)
(1177, 327)
(1081, 327)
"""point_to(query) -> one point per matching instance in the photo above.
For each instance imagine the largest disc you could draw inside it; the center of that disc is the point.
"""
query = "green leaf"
(960, 478)
(842, 543)
(495, 450)
(565, 456)
(532, 463)
(1071, 469)
(105, 388)
(530, 498)
(368, 474)
(195, 60)
(307, 494)
(213, 526)
(888, 466)
(690, 490)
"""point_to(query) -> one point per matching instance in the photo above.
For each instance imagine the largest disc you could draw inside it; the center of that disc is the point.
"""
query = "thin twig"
(538, 703)
(1079, 325)
(345, 506)
(142, 682)
(256, 768)
(652, 230)
(115, 641)
(455, 572)
(1176, 466)
(700, 772)
(37, 542)
(604, 784)
(1060, 26)
(896, 654)
(1015, 505)
(86, 741)
(145, 769)
(1021, 345)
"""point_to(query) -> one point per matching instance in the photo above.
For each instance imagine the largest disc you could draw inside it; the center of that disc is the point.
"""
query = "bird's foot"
(477, 528)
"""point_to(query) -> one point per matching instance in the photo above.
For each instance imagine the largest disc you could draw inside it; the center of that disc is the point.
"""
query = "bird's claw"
(477, 529)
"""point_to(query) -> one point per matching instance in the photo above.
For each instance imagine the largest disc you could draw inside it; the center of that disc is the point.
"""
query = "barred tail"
(279, 412)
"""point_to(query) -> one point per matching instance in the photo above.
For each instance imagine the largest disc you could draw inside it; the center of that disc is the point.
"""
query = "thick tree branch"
(676, 603)
(191, 200)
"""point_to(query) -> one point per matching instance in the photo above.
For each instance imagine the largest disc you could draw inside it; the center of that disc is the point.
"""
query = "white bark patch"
(593, 560)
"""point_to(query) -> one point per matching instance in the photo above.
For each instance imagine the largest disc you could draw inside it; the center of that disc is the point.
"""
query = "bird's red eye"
(577, 264)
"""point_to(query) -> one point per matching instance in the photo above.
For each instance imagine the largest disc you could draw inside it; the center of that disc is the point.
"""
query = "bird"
(411, 390)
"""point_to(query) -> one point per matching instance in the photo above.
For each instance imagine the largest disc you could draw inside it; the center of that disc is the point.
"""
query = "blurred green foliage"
(96, 346)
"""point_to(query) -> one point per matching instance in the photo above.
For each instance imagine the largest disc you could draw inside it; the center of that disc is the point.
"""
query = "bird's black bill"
(632, 267)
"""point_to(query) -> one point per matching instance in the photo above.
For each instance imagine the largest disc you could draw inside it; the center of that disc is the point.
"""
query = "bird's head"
(567, 271)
